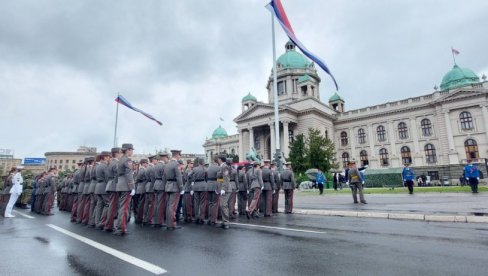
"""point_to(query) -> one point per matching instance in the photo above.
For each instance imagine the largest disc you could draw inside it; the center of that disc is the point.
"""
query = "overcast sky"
(188, 63)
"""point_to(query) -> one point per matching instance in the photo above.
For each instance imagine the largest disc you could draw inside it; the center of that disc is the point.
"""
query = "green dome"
(292, 59)
(249, 97)
(335, 97)
(458, 77)
(219, 133)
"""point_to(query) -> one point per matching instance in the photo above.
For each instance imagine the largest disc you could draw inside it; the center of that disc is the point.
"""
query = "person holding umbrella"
(320, 179)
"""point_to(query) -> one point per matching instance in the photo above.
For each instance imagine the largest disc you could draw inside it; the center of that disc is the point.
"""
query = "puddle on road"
(80, 267)
(479, 214)
(41, 239)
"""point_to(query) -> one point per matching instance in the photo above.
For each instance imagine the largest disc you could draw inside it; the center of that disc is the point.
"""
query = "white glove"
(404, 180)
(182, 192)
(247, 191)
(347, 183)
(192, 183)
(262, 188)
(217, 192)
(467, 178)
(362, 182)
(133, 192)
(191, 192)
(222, 192)
(478, 178)
(274, 191)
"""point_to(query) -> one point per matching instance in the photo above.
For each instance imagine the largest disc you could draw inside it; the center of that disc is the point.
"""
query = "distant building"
(436, 132)
(67, 160)
(8, 163)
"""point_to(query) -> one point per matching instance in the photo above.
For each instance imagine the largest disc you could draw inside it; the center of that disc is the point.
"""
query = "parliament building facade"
(436, 132)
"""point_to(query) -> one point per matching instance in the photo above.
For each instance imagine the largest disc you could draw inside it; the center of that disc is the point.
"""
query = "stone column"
(353, 144)
(272, 139)
(484, 111)
(450, 138)
(415, 136)
(372, 153)
(395, 157)
(286, 140)
(241, 147)
(251, 138)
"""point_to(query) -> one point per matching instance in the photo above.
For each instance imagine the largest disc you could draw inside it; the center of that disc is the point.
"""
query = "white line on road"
(24, 215)
(118, 254)
(279, 228)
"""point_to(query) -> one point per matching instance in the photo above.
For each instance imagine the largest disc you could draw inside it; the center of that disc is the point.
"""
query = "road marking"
(118, 254)
(24, 215)
(279, 228)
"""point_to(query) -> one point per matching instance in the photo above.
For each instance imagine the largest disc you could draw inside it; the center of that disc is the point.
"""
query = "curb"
(396, 216)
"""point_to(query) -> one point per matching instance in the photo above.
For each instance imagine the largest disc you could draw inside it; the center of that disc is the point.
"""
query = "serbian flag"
(275, 7)
(123, 101)
(454, 51)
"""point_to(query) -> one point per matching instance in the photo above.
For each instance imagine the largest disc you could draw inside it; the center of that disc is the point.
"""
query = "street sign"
(34, 161)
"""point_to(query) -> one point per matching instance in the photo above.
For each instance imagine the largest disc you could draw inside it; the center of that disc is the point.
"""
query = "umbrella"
(312, 174)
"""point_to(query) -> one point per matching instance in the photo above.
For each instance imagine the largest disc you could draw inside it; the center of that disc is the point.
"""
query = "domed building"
(436, 132)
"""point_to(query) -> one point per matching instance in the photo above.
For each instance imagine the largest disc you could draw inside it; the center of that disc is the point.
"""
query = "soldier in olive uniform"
(91, 192)
(159, 190)
(256, 180)
(102, 177)
(74, 192)
(242, 190)
(173, 181)
(50, 192)
(39, 192)
(86, 194)
(223, 178)
(213, 193)
(234, 179)
(249, 173)
(81, 187)
(267, 194)
(199, 187)
(150, 199)
(125, 187)
(276, 188)
(111, 190)
(187, 197)
(138, 198)
(288, 179)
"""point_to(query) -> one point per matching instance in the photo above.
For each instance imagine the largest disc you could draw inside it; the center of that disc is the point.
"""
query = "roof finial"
(454, 52)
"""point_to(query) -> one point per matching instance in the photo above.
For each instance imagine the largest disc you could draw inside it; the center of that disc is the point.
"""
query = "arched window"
(426, 126)
(384, 160)
(363, 156)
(345, 159)
(233, 151)
(361, 136)
(380, 131)
(430, 154)
(406, 155)
(344, 140)
(471, 148)
(466, 120)
(402, 130)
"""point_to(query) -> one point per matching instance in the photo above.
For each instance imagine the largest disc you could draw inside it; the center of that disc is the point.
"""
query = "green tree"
(297, 154)
(319, 151)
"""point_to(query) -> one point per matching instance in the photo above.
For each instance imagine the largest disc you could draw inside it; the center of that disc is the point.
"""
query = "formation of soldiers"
(106, 190)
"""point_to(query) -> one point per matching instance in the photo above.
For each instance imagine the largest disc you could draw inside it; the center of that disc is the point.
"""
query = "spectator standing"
(320, 179)
(15, 191)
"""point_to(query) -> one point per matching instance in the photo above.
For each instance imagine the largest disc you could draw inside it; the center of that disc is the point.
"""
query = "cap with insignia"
(180, 162)
(127, 146)
(143, 160)
(105, 153)
(115, 150)
(162, 154)
(175, 151)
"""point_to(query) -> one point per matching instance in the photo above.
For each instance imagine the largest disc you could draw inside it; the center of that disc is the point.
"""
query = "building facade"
(436, 132)
(65, 160)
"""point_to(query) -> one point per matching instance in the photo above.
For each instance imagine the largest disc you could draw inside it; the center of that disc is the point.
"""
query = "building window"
(60, 167)
(344, 140)
(363, 156)
(55, 161)
(426, 127)
(257, 144)
(402, 130)
(384, 160)
(291, 136)
(74, 162)
(304, 90)
(233, 151)
(406, 155)
(380, 131)
(60, 161)
(67, 161)
(433, 175)
(471, 148)
(361, 136)
(466, 120)
(281, 87)
(430, 154)
(345, 159)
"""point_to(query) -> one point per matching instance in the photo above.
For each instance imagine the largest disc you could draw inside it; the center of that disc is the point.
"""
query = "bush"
(299, 178)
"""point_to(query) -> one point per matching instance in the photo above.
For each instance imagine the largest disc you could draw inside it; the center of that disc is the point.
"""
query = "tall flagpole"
(453, 57)
(116, 121)
(275, 90)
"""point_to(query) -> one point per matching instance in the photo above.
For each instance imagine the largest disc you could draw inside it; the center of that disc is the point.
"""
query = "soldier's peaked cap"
(115, 150)
(144, 160)
(163, 154)
(127, 146)
(105, 153)
(175, 151)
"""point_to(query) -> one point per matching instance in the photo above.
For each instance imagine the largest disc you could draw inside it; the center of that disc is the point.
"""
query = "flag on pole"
(221, 119)
(454, 51)
(275, 7)
(123, 101)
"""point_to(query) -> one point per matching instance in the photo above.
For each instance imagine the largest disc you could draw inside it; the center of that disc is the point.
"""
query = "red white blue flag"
(123, 101)
(454, 51)
(275, 7)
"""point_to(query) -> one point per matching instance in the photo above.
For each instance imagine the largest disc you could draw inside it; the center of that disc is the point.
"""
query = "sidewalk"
(449, 207)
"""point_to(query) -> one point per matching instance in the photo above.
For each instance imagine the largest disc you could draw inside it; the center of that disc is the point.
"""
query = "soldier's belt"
(159, 179)
(220, 180)
(174, 180)
(212, 179)
(199, 180)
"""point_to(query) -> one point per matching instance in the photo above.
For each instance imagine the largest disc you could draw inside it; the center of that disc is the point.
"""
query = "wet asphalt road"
(334, 246)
